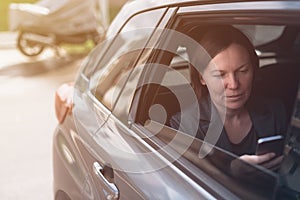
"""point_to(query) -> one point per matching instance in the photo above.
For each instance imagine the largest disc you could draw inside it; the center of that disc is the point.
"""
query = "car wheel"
(27, 46)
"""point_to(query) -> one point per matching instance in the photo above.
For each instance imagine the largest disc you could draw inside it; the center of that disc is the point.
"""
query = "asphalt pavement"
(27, 118)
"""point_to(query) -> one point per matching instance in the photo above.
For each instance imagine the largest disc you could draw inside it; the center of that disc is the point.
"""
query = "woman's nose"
(232, 82)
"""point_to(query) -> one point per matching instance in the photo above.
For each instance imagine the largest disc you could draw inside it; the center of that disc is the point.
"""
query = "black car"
(117, 142)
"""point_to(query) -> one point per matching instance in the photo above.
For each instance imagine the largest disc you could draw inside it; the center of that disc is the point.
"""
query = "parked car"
(114, 140)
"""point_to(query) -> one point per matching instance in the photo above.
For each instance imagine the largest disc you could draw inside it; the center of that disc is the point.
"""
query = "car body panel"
(93, 132)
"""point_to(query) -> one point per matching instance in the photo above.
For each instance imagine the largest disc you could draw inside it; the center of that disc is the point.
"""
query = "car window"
(112, 71)
(122, 106)
(261, 34)
(179, 65)
(133, 85)
(167, 91)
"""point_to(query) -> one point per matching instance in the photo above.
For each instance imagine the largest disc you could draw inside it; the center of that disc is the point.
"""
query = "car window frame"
(147, 55)
(110, 45)
(243, 20)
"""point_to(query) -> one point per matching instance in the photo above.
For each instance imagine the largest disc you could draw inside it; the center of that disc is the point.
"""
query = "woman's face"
(228, 77)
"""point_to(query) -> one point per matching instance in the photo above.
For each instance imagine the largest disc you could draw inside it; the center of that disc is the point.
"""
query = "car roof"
(137, 6)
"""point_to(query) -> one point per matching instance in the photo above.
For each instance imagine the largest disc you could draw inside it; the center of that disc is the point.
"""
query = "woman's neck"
(235, 113)
(230, 114)
(237, 125)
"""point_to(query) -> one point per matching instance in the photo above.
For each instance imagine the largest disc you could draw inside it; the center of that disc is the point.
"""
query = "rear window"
(261, 34)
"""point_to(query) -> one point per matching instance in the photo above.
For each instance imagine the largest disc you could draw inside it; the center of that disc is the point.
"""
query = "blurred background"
(27, 118)
(114, 6)
(4, 7)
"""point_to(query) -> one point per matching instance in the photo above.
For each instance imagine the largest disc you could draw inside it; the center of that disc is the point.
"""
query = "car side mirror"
(64, 101)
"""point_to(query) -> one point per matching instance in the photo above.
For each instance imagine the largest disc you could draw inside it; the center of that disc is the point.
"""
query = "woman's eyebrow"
(244, 65)
(241, 66)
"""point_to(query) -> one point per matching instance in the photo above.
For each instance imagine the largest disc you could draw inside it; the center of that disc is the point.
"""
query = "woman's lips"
(233, 97)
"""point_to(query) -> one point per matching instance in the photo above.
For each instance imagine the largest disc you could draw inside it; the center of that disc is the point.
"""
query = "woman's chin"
(231, 105)
(234, 105)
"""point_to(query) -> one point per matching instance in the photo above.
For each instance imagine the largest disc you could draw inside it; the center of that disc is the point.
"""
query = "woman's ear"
(202, 81)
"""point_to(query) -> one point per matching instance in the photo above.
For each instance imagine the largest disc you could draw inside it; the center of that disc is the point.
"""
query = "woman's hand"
(267, 160)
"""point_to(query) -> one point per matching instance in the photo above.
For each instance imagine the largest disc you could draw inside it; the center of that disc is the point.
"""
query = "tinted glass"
(112, 71)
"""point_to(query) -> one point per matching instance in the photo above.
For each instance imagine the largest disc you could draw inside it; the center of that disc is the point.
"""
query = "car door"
(108, 148)
(125, 142)
(165, 84)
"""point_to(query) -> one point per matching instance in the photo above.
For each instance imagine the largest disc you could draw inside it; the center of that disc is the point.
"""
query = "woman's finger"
(274, 163)
(255, 159)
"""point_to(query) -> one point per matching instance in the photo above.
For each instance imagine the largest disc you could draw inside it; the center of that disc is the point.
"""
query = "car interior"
(278, 76)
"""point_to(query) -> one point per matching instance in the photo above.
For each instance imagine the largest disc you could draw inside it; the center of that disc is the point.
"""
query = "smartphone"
(270, 144)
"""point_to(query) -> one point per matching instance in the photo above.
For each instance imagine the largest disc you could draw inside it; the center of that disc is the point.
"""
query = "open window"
(166, 90)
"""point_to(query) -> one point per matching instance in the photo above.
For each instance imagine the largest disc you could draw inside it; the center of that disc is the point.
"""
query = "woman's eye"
(217, 75)
(243, 70)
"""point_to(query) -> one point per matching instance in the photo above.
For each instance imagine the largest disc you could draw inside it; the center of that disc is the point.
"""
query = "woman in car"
(224, 86)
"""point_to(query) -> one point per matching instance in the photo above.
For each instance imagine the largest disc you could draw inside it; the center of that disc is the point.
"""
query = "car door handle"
(110, 191)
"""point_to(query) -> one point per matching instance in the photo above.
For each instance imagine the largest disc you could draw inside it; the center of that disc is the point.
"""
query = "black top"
(247, 145)
(268, 117)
